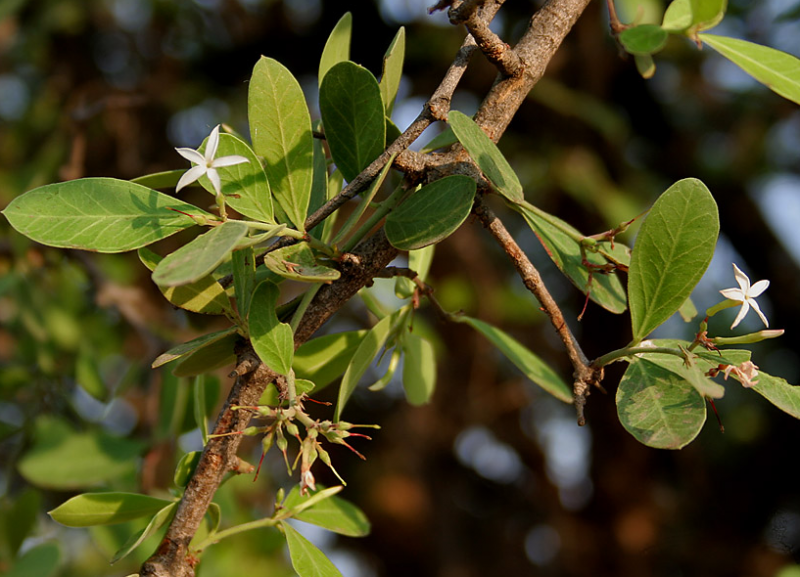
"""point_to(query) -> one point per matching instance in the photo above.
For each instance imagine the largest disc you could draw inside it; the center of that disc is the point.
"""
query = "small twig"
(613, 19)
(496, 51)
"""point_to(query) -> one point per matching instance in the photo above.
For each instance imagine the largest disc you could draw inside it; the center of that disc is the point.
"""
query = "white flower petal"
(213, 176)
(742, 313)
(191, 155)
(758, 310)
(212, 144)
(229, 160)
(741, 279)
(190, 176)
(758, 288)
(733, 294)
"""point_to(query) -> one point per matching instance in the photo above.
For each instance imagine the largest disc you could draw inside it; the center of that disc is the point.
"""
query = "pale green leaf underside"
(672, 251)
(200, 257)
(779, 71)
(432, 213)
(280, 129)
(204, 296)
(337, 47)
(419, 369)
(91, 509)
(98, 214)
(526, 361)
(487, 156)
(334, 514)
(393, 69)
(307, 560)
(780, 393)
(658, 407)
(605, 289)
(272, 340)
(353, 116)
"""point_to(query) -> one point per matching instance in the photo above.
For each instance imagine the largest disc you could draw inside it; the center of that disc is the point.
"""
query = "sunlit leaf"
(419, 369)
(334, 514)
(243, 262)
(99, 214)
(486, 155)
(297, 262)
(779, 71)
(526, 361)
(200, 257)
(393, 70)
(92, 509)
(324, 359)
(307, 560)
(673, 249)
(779, 392)
(644, 39)
(272, 340)
(280, 129)
(337, 47)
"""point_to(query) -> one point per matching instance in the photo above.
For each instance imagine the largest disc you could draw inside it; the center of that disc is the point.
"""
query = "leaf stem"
(613, 356)
(383, 209)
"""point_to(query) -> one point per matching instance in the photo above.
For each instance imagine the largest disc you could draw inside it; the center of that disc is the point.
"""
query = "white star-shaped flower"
(746, 295)
(206, 163)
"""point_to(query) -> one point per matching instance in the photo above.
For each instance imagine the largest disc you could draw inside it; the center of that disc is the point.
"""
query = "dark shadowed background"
(493, 477)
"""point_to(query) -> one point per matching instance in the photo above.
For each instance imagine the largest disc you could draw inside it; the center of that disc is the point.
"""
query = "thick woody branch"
(496, 51)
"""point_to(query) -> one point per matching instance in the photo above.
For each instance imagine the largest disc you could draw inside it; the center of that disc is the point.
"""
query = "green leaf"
(694, 374)
(210, 357)
(159, 520)
(324, 359)
(244, 279)
(160, 180)
(444, 139)
(199, 397)
(41, 561)
(779, 392)
(64, 459)
(420, 262)
(297, 262)
(531, 365)
(673, 249)
(280, 129)
(334, 514)
(100, 214)
(204, 296)
(337, 47)
(367, 350)
(393, 69)
(678, 16)
(707, 13)
(272, 340)
(21, 518)
(777, 70)
(645, 65)
(92, 509)
(658, 407)
(191, 346)
(270, 395)
(688, 311)
(307, 560)
(244, 185)
(353, 115)
(200, 257)
(645, 39)
(87, 373)
(419, 369)
(432, 213)
(487, 156)
(605, 289)
(185, 468)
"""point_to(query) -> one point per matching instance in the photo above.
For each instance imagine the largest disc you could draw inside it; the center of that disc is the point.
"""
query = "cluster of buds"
(284, 423)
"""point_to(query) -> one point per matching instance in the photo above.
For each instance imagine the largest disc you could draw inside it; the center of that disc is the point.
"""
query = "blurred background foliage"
(493, 477)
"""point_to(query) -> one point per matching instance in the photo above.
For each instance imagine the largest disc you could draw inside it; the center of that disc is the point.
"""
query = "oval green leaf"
(779, 392)
(487, 156)
(353, 115)
(334, 514)
(658, 407)
(673, 249)
(307, 560)
(419, 369)
(99, 214)
(526, 361)
(280, 129)
(393, 70)
(159, 520)
(778, 71)
(204, 296)
(337, 47)
(432, 213)
(92, 509)
(62, 458)
(272, 340)
(297, 262)
(200, 257)
(644, 39)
